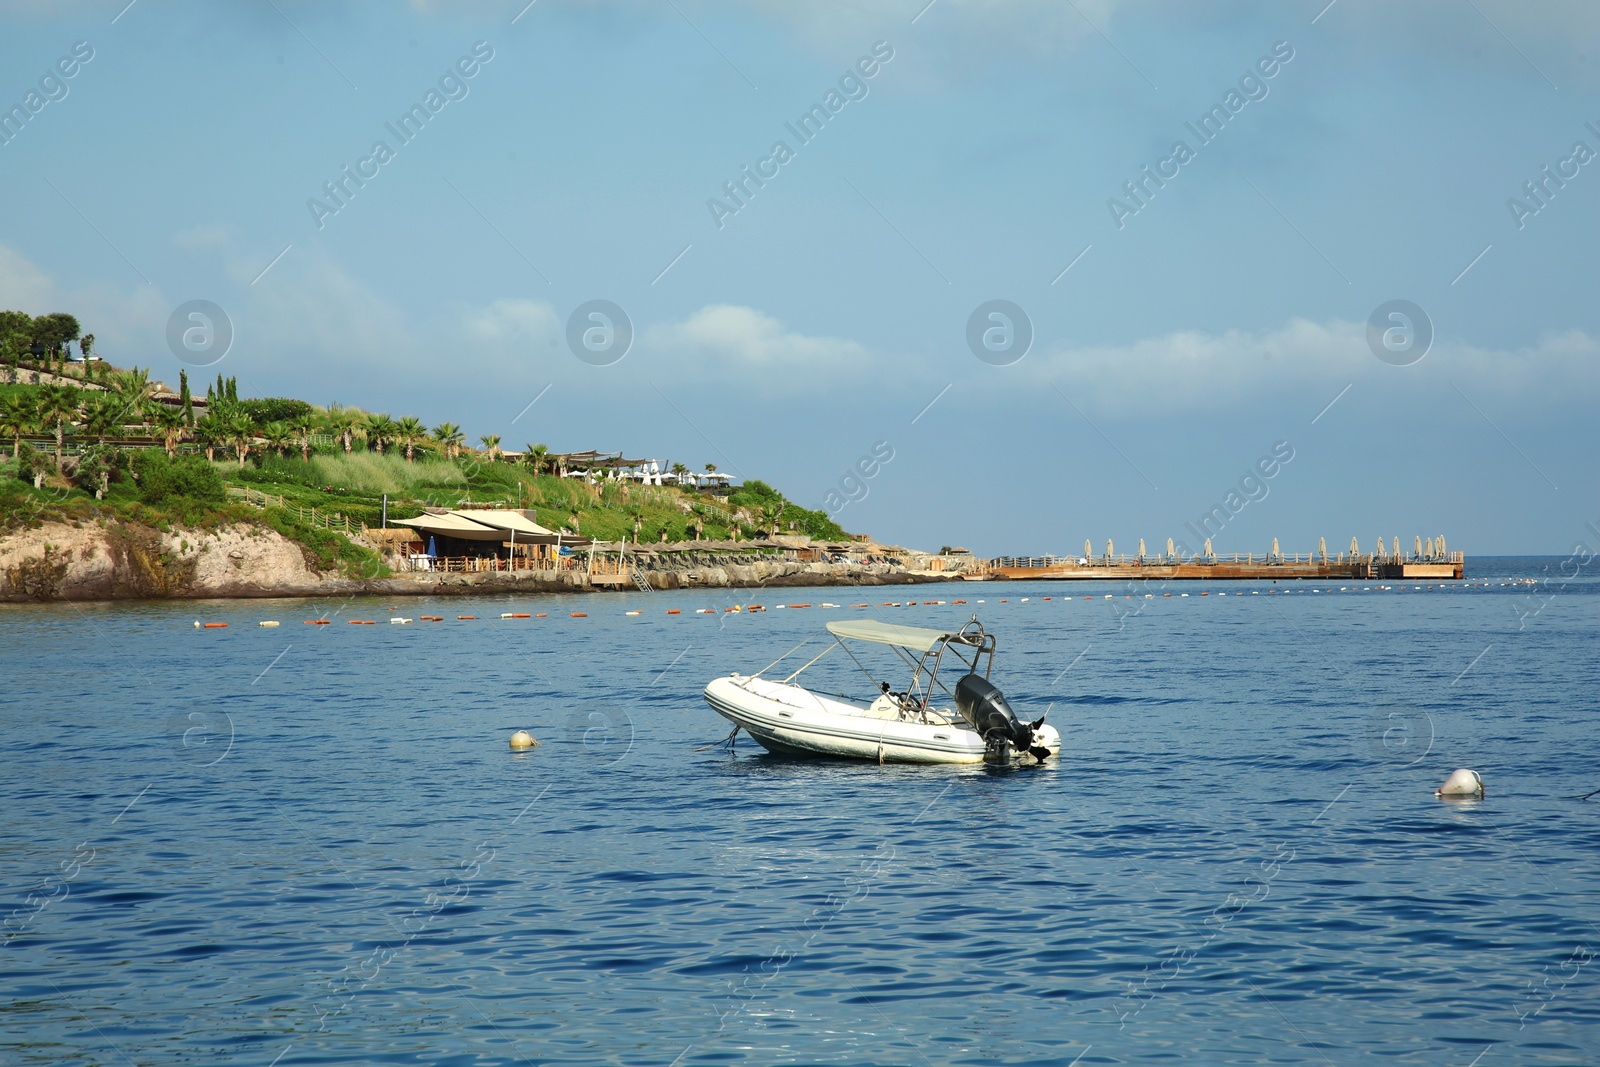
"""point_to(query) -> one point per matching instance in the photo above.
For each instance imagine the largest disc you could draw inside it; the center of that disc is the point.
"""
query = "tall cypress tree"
(184, 398)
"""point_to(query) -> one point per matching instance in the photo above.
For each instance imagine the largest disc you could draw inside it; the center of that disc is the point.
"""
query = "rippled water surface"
(313, 845)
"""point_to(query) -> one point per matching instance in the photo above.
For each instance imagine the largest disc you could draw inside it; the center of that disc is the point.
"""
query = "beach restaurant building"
(486, 533)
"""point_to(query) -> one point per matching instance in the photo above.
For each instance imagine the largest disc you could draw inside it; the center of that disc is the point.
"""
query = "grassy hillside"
(157, 502)
(339, 460)
(354, 485)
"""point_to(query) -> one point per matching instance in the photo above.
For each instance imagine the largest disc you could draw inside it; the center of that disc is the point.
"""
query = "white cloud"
(205, 238)
(126, 321)
(513, 322)
(24, 285)
(309, 304)
(728, 337)
(1193, 371)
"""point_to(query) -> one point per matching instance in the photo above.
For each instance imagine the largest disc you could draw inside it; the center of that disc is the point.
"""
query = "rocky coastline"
(115, 560)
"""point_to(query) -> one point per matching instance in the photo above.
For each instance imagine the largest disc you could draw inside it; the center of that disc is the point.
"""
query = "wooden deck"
(1360, 568)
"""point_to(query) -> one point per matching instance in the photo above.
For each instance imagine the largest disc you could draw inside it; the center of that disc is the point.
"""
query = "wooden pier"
(1276, 568)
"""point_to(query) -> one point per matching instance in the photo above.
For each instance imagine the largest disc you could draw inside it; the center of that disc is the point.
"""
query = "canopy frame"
(930, 647)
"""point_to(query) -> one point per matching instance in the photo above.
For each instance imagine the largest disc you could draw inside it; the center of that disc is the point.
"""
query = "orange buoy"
(354, 622)
(214, 626)
(579, 614)
(674, 611)
(958, 601)
(799, 605)
(319, 622)
(466, 617)
(542, 615)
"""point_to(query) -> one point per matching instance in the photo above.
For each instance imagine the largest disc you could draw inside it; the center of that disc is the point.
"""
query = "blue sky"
(977, 163)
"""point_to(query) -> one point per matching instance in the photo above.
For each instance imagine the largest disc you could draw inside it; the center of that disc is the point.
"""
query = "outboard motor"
(983, 705)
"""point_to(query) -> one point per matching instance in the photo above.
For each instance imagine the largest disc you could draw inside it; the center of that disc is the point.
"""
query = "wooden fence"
(319, 519)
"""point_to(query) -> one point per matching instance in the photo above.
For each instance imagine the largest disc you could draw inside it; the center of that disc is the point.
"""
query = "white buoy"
(1461, 783)
(522, 739)
(269, 623)
(197, 624)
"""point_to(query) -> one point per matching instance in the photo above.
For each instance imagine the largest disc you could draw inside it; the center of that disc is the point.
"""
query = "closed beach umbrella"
(432, 551)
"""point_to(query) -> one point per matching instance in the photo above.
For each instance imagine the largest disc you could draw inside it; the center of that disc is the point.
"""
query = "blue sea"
(313, 845)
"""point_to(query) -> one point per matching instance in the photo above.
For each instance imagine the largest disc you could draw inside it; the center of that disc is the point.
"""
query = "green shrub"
(186, 478)
(385, 473)
(279, 470)
(263, 410)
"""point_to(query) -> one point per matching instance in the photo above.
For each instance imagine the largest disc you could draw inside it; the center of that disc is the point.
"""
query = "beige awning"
(452, 525)
(917, 638)
(505, 520)
(490, 524)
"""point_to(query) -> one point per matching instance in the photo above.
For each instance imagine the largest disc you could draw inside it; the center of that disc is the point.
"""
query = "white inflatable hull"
(793, 720)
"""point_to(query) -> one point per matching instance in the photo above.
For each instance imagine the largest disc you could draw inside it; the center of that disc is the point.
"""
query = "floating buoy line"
(1064, 600)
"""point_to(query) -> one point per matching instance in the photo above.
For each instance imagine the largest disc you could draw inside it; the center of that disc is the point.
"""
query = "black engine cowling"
(982, 704)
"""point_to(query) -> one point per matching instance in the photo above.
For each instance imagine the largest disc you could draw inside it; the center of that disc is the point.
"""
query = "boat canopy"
(919, 638)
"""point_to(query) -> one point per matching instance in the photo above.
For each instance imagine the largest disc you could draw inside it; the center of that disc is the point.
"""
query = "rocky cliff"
(114, 560)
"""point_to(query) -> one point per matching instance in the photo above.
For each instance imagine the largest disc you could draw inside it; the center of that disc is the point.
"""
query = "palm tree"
(380, 431)
(241, 434)
(95, 465)
(491, 443)
(18, 415)
(303, 425)
(278, 436)
(536, 457)
(346, 424)
(58, 405)
(134, 384)
(103, 415)
(450, 439)
(409, 431)
(211, 430)
(169, 423)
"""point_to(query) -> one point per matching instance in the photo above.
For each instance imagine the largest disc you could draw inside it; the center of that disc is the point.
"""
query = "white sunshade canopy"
(453, 526)
(504, 520)
(918, 638)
